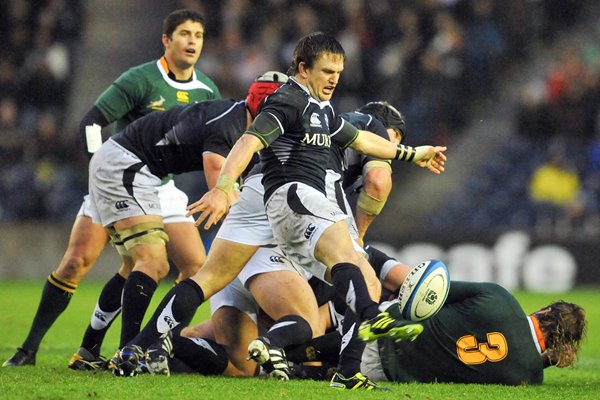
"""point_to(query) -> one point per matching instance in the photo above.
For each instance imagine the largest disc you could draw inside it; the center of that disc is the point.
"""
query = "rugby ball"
(424, 290)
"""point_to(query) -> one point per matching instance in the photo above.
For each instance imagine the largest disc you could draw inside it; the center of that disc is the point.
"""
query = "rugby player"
(300, 124)
(156, 85)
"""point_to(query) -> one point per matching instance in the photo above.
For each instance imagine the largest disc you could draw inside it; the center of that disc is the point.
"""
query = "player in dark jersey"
(157, 85)
(298, 125)
(127, 169)
(481, 335)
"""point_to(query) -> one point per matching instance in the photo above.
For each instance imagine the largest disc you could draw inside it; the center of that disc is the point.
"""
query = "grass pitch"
(51, 379)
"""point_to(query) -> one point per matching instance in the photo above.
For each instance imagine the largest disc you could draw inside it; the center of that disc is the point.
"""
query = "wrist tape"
(405, 153)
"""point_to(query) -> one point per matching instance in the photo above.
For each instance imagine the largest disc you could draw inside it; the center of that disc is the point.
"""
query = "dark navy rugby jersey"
(349, 162)
(173, 141)
(297, 131)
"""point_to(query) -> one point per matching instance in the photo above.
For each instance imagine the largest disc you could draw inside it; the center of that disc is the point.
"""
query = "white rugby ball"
(424, 290)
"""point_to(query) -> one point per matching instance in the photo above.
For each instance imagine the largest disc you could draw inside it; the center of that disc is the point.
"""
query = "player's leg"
(185, 248)
(235, 329)
(86, 242)
(107, 309)
(223, 263)
(145, 241)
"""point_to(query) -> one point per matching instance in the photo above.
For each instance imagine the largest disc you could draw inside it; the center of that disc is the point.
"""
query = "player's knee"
(74, 267)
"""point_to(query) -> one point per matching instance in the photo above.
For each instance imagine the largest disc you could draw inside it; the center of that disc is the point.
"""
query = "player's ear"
(302, 69)
(165, 40)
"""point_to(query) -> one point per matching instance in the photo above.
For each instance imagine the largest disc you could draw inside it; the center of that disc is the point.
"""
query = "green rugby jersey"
(481, 335)
(148, 87)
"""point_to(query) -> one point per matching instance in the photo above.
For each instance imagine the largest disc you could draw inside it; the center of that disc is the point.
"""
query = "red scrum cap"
(262, 87)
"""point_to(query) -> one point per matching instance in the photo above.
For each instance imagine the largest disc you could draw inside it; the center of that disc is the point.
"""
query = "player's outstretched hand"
(213, 205)
(432, 158)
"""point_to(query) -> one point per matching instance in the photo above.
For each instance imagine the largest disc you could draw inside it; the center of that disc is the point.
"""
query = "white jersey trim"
(193, 84)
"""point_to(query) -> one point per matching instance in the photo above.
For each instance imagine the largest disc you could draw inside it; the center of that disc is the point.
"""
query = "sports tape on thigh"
(144, 233)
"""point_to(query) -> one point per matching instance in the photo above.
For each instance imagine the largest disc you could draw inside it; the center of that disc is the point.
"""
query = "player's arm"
(215, 203)
(90, 130)
(212, 164)
(430, 157)
(377, 185)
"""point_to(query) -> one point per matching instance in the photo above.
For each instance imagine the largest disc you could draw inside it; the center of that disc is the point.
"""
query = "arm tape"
(405, 153)
(369, 204)
(225, 183)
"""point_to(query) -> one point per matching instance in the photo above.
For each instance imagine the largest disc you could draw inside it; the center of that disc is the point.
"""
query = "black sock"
(322, 348)
(289, 330)
(350, 284)
(106, 311)
(201, 355)
(55, 299)
(137, 293)
(351, 346)
(177, 305)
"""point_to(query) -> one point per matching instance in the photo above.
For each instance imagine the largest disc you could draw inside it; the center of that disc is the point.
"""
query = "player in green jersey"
(481, 335)
(157, 85)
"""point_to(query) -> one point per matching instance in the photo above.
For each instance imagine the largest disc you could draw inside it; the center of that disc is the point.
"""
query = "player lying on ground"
(481, 335)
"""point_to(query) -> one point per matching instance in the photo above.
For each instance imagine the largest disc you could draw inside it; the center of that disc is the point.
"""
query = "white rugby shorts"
(247, 221)
(116, 194)
(236, 294)
(298, 224)
(335, 193)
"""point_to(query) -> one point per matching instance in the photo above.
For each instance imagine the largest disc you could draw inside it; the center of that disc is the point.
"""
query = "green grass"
(51, 379)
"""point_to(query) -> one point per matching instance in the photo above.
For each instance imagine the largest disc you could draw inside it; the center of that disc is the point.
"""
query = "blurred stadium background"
(510, 86)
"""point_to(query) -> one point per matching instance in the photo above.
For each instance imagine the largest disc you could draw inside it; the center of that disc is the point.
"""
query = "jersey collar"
(163, 67)
(536, 333)
(311, 99)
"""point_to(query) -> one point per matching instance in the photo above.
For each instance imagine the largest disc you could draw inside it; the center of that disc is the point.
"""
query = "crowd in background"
(547, 177)
(432, 59)
(41, 173)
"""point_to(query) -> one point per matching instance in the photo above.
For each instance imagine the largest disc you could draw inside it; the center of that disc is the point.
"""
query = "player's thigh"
(235, 330)
(86, 242)
(335, 246)
(147, 248)
(185, 247)
(282, 293)
(223, 263)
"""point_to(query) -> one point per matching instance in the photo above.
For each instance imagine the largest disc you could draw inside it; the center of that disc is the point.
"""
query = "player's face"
(324, 75)
(185, 45)
(395, 135)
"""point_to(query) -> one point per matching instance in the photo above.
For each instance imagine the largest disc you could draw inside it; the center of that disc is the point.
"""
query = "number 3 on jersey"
(471, 352)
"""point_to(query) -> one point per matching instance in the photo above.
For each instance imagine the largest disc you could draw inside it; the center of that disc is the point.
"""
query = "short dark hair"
(387, 114)
(178, 17)
(311, 46)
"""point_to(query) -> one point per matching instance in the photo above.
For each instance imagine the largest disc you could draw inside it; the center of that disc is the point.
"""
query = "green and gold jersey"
(481, 335)
(148, 87)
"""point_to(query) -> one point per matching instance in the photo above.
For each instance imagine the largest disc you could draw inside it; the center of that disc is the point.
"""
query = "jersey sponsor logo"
(121, 205)
(100, 315)
(169, 321)
(309, 231)
(315, 121)
(276, 259)
(471, 352)
(157, 104)
(183, 97)
(317, 139)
